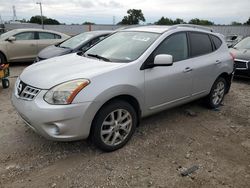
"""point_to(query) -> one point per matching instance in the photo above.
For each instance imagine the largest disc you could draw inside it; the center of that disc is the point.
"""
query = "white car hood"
(46, 74)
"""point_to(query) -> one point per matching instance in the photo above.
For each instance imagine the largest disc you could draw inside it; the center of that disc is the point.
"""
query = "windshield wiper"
(64, 47)
(99, 57)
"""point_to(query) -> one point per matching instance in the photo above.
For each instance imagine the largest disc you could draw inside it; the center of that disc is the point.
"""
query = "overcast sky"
(102, 11)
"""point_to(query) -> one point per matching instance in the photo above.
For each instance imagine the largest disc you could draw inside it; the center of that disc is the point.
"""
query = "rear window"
(43, 35)
(200, 44)
(217, 42)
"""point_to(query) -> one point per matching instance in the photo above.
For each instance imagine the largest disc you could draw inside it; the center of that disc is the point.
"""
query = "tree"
(236, 23)
(47, 21)
(200, 22)
(168, 21)
(179, 21)
(88, 23)
(164, 21)
(247, 22)
(134, 17)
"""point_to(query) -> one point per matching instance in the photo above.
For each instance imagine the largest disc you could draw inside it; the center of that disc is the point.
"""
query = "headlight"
(65, 92)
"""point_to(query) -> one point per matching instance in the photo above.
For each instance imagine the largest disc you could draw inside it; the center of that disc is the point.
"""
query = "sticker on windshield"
(141, 38)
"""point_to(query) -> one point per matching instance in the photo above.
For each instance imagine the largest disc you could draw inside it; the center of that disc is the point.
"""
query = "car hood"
(243, 54)
(51, 72)
(53, 51)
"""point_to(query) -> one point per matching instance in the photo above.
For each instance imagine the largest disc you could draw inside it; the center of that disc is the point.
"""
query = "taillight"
(232, 55)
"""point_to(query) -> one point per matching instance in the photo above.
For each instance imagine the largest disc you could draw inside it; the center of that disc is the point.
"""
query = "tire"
(5, 83)
(217, 93)
(114, 125)
(2, 59)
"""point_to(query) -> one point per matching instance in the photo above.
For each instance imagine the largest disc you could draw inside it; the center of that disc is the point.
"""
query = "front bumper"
(56, 122)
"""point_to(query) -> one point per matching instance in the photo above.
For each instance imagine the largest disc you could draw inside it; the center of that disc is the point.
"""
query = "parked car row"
(133, 73)
(37, 44)
(24, 44)
(80, 42)
(241, 52)
(231, 40)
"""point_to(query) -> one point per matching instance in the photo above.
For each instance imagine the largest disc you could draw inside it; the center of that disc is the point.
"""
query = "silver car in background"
(131, 74)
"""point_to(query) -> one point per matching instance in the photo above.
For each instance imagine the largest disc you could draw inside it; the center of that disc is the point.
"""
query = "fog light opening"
(55, 130)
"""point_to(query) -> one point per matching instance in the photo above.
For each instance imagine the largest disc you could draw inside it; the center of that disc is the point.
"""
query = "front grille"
(26, 92)
(241, 64)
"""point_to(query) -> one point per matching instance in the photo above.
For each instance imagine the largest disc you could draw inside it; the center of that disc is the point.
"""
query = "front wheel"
(114, 125)
(217, 93)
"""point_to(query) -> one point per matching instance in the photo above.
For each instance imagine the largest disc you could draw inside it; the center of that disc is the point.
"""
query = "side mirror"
(163, 60)
(10, 39)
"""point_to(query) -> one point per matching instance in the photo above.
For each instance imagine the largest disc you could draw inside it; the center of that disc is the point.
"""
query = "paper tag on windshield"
(141, 38)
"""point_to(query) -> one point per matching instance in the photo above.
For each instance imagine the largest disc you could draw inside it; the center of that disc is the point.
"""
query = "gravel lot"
(217, 141)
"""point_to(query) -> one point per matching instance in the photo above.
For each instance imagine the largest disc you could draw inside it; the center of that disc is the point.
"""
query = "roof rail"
(192, 26)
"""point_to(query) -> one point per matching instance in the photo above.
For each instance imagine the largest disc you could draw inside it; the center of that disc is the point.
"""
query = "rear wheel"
(114, 125)
(217, 93)
(5, 83)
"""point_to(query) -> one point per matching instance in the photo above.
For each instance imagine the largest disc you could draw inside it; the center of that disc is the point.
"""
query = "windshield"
(77, 40)
(123, 46)
(244, 44)
(8, 34)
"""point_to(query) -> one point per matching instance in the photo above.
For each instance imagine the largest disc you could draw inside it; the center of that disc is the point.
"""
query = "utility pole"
(113, 20)
(14, 13)
(41, 10)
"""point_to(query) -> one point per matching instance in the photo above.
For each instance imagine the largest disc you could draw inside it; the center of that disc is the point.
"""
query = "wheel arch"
(5, 57)
(124, 97)
(228, 78)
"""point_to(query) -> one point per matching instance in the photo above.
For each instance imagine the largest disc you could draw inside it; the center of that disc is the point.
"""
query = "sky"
(103, 11)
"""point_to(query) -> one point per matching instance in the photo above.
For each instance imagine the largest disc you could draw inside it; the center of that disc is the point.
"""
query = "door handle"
(217, 62)
(188, 69)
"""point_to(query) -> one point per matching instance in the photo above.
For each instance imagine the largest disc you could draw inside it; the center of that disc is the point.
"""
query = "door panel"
(203, 62)
(167, 85)
(23, 48)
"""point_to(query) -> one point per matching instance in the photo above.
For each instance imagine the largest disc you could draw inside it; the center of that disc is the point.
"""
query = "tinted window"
(217, 42)
(25, 36)
(57, 36)
(200, 44)
(44, 35)
(175, 45)
(77, 40)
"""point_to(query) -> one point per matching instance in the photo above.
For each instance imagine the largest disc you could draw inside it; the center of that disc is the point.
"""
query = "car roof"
(41, 30)
(161, 29)
(153, 28)
(99, 32)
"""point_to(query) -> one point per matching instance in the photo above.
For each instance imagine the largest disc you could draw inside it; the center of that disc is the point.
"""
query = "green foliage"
(168, 21)
(197, 21)
(247, 22)
(47, 21)
(236, 23)
(88, 23)
(134, 17)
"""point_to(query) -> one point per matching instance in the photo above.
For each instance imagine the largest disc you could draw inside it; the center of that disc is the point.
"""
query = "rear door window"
(217, 42)
(200, 44)
(25, 36)
(45, 35)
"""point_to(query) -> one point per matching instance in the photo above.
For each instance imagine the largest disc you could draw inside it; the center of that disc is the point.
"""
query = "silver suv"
(133, 73)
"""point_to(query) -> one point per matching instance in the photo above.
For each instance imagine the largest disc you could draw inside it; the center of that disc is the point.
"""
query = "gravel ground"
(166, 144)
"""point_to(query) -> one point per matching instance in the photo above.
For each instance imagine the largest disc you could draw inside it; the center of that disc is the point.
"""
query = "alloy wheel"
(116, 127)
